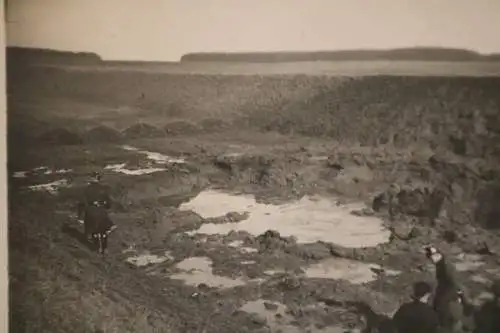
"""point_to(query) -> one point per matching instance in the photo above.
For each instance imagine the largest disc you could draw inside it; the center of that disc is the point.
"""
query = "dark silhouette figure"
(94, 208)
(446, 302)
(487, 318)
(374, 322)
(417, 316)
(468, 312)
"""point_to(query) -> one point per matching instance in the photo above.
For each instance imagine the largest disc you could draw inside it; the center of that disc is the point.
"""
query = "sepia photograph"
(232, 166)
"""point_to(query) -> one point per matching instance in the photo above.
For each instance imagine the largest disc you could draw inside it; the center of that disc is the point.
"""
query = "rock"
(203, 287)
(380, 202)
(415, 232)
(484, 249)
(458, 144)
(413, 200)
(253, 273)
(270, 306)
(236, 217)
(404, 232)
(320, 326)
(290, 282)
(363, 212)
(315, 251)
(333, 163)
(450, 236)
(257, 319)
(272, 240)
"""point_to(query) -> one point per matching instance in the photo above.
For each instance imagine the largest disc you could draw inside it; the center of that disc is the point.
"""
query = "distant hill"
(48, 56)
(24, 55)
(415, 53)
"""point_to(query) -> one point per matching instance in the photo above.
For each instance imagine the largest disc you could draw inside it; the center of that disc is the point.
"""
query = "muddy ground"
(161, 276)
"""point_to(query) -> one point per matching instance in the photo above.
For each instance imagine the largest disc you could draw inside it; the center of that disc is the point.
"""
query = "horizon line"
(426, 47)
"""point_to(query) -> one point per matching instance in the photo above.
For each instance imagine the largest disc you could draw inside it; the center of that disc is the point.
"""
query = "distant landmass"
(49, 56)
(408, 54)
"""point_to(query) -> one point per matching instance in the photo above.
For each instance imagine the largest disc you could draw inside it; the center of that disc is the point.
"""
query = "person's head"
(422, 291)
(433, 254)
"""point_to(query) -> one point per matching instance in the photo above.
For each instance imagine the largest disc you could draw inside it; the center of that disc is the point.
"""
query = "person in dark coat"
(94, 207)
(417, 316)
(447, 302)
(487, 318)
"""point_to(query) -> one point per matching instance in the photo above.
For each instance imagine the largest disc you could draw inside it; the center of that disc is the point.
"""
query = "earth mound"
(61, 136)
(142, 130)
(263, 170)
(19, 137)
(180, 127)
(214, 124)
(102, 134)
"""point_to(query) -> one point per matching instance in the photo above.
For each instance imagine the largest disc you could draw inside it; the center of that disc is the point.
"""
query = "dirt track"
(357, 138)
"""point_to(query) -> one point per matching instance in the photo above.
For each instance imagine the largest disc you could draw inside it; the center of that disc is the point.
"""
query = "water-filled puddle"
(480, 279)
(239, 245)
(58, 172)
(493, 271)
(468, 262)
(52, 187)
(20, 174)
(145, 259)
(482, 298)
(355, 272)
(153, 156)
(309, 219)
(198, 270)
(132, 172)
(277, 319)
(39, 170)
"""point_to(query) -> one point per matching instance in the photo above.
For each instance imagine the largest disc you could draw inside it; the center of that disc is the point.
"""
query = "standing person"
(417, 316)
(94, 206)
(446, 302)
(487, 318)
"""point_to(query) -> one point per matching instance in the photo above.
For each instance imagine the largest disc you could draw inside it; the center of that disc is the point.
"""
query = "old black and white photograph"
(232, 166)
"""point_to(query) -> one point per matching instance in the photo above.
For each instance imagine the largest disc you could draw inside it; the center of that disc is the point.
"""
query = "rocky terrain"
(246, 203)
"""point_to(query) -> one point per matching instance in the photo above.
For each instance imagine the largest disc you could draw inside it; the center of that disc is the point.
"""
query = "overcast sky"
(166, 29)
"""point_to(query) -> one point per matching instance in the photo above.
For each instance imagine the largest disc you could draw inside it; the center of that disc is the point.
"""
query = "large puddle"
(198, 270)
(309, 219)
(468, 262)
(275, 316)
(121, 168)
(153, 156)
(41, 170)
(52, 187)
(356, 272)
(145, 259)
